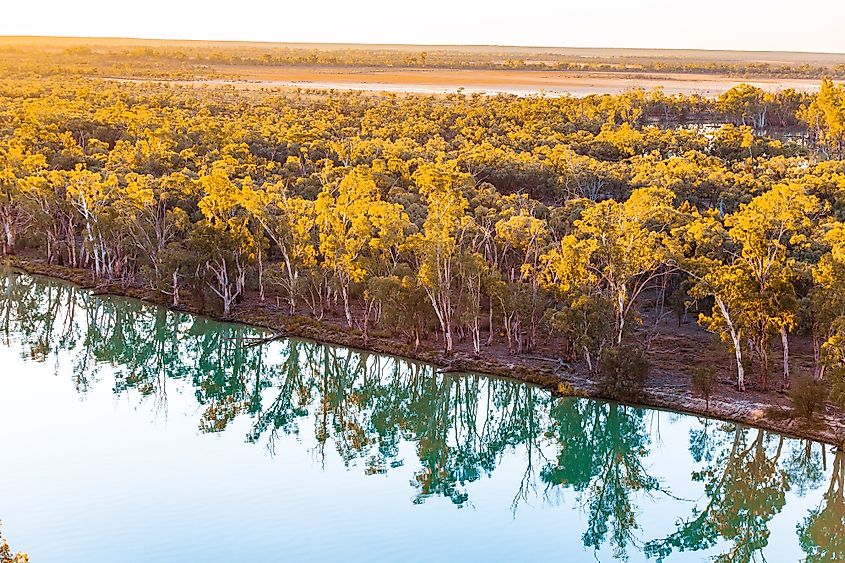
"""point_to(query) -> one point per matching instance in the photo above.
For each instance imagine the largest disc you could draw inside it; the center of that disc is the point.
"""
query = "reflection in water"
(745, 488)
(601, 448)
(365, 407)
(822, 534)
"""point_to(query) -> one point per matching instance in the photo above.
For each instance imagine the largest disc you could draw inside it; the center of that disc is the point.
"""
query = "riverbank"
(666, 387)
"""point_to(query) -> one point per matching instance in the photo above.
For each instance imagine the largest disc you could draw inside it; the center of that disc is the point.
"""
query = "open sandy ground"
(517, 82)
(447, 80)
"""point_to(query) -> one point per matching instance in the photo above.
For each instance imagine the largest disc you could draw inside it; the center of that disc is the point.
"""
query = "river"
(132, 433)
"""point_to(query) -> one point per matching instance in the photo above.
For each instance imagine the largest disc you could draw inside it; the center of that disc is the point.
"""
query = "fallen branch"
(250, 342)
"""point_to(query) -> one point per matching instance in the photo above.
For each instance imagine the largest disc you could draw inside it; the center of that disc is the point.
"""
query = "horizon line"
(419, 45)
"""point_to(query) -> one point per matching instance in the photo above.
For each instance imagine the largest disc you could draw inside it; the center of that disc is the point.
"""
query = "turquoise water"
(131, 433)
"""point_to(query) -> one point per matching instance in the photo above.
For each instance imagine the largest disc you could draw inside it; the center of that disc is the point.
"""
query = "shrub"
(623, 370)
(565, 389)
(837, 380)
(704, 382)
(808, 396)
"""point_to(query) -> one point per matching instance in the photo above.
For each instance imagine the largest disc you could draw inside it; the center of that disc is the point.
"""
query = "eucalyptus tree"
(437, 247)
(358, 231)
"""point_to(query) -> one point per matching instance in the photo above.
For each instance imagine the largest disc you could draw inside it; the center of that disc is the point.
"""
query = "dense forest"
(474, 221)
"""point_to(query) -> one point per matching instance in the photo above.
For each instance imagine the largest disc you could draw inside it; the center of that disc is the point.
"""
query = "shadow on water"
(364, 406)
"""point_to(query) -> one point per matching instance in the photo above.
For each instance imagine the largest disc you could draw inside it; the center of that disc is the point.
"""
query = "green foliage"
(623, 371)
(704, 382)
(808, 396)
(585, 323)
(837, 382)
(745, 487)
(822, 534)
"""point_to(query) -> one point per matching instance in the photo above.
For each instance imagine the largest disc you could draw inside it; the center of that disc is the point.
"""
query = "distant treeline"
(163, 60)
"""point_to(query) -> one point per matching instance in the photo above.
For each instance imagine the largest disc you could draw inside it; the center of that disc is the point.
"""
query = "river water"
(132, 433)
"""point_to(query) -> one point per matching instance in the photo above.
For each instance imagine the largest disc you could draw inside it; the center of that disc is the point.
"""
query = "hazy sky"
(809, 25)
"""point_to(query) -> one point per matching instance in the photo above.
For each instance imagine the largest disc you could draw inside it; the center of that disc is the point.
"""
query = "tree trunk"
(818, 365)
(764, 365)
(735, 338)
(9, 246)
(345, 294)
(176, 287)
(784, 339)
(447, 339)
(620, 315)
(365, 331)
(260, 275)
(490, 323)
(588, 359)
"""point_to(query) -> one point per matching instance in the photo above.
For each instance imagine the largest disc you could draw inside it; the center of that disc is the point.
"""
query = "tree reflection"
(602, 446)
(745, 487)
(362, 407)
(822, 533)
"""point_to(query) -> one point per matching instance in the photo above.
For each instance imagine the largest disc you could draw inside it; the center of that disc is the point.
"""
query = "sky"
(757, 25)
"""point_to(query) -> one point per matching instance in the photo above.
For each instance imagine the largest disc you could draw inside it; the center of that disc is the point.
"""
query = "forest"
(573, 227)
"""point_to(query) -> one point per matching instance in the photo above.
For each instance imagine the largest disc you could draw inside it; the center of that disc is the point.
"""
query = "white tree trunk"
(735, 337)
(784, 338)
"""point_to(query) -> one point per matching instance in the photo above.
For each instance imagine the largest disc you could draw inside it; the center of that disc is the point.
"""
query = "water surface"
(131, 433)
